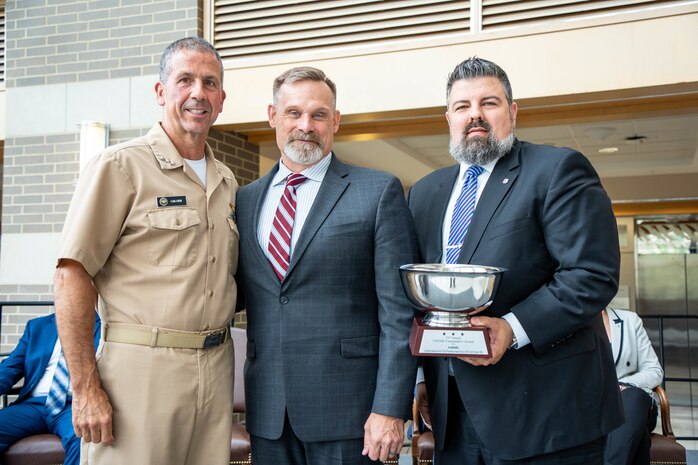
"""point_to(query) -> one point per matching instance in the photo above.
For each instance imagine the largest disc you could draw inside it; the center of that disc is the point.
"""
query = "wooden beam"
(668, 207)
(680, 99)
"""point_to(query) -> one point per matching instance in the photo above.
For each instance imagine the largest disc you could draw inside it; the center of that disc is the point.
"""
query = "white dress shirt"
(44, 385)
(305, 196)
(521, 336)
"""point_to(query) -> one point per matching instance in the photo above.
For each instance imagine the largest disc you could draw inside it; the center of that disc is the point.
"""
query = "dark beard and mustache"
(303, 154)
(478, 150)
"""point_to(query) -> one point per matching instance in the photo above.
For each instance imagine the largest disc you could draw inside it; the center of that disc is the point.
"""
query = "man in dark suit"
(36, 359)
(542, 214)
(329, 374)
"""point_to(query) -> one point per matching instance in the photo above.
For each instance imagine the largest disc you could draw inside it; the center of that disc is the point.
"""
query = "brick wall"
(38, 182)
(61, 41)
(54, 49)
(14, 318)
(234, 150)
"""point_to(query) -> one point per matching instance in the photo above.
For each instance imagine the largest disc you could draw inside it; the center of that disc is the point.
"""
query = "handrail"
(661, 354)
(22, 303)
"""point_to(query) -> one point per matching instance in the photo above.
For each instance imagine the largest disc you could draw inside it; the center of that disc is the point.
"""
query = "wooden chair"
(40, 449)
(240, 449)
(46, 449)
(422, 439)
(664, 449)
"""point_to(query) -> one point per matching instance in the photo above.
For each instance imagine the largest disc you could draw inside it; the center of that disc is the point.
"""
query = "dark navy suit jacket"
(29, 359)
(544, 216)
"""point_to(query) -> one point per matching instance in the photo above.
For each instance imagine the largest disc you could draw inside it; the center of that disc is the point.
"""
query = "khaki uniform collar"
(164, 150)
(169, 158)
(167, 155)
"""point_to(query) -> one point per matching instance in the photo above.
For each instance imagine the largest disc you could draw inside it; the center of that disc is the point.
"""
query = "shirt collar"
(464, 167)
(314, 172)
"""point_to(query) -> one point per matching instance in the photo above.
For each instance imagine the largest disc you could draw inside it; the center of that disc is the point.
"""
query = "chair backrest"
(239, 337)
(664, 449)
(664, 412)
(422, 438)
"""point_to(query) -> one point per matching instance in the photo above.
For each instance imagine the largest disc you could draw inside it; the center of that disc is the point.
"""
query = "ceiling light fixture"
(608, 150)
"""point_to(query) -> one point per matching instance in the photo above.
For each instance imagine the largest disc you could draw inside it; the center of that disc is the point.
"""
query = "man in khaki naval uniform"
(151, 236)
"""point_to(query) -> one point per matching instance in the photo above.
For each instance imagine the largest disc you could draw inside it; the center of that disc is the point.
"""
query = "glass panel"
(661, 284)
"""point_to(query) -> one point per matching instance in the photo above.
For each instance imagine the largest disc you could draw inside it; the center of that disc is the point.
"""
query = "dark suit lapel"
(258, 196)
(435, 221)
(501, 180)
(333, 186)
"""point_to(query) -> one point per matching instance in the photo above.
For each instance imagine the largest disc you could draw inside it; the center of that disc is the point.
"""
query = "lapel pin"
(505, 180)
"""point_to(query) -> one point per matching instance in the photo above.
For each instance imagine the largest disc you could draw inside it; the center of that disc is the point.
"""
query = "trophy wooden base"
(435, 341)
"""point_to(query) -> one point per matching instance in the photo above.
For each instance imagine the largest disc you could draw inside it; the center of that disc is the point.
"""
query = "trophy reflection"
(448, 295)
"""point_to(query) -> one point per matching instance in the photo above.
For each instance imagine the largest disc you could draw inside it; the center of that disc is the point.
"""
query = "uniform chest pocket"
(172, 237)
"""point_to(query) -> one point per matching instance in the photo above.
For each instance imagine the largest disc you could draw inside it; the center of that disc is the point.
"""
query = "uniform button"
(283, 299)
(178, 222)
(213, 259)
(210, 293)
(213, 226)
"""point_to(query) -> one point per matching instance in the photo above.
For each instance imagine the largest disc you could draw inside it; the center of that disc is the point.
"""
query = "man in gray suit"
(329, 373)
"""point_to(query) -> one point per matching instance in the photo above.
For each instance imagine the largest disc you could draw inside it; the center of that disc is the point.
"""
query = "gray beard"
(480, 151)
(303, 156)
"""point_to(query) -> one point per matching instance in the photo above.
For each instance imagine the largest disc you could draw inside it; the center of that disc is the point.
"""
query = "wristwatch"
(514, 342)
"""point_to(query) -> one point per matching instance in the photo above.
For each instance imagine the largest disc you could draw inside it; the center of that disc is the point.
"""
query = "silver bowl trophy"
(449, 294)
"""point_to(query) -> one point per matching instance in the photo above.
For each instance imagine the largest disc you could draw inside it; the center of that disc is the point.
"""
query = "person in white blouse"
(638, 371)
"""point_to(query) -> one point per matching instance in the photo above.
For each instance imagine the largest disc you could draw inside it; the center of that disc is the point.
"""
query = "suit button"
(283, 299)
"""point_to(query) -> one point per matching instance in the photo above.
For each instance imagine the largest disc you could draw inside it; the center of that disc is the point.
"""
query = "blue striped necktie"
(462, 213)
(58, 393)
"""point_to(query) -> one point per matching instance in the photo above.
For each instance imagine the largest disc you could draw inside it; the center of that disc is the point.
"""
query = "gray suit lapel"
(333, 186)
(439, 201)
(501, 180)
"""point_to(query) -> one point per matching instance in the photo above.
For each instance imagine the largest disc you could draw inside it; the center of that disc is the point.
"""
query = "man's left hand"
(383, 436)
(501, 337)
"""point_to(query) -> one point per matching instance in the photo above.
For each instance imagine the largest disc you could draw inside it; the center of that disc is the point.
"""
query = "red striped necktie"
(282, 227)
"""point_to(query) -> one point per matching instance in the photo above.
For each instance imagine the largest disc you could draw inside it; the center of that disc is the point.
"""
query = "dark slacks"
(289, 450)
(463, 446)
(30, 417)
(629, 444)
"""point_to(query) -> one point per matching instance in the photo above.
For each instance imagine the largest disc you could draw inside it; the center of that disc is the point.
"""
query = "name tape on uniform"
(174, 201)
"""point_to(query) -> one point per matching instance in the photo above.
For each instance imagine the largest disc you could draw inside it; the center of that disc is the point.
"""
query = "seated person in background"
(42, 406)
(638, 373)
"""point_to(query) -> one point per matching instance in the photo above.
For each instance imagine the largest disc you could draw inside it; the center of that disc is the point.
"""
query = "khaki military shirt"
(161, 247)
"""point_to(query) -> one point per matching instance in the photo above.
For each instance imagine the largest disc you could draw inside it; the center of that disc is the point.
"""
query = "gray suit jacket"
(329, 344)
(544, 216)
